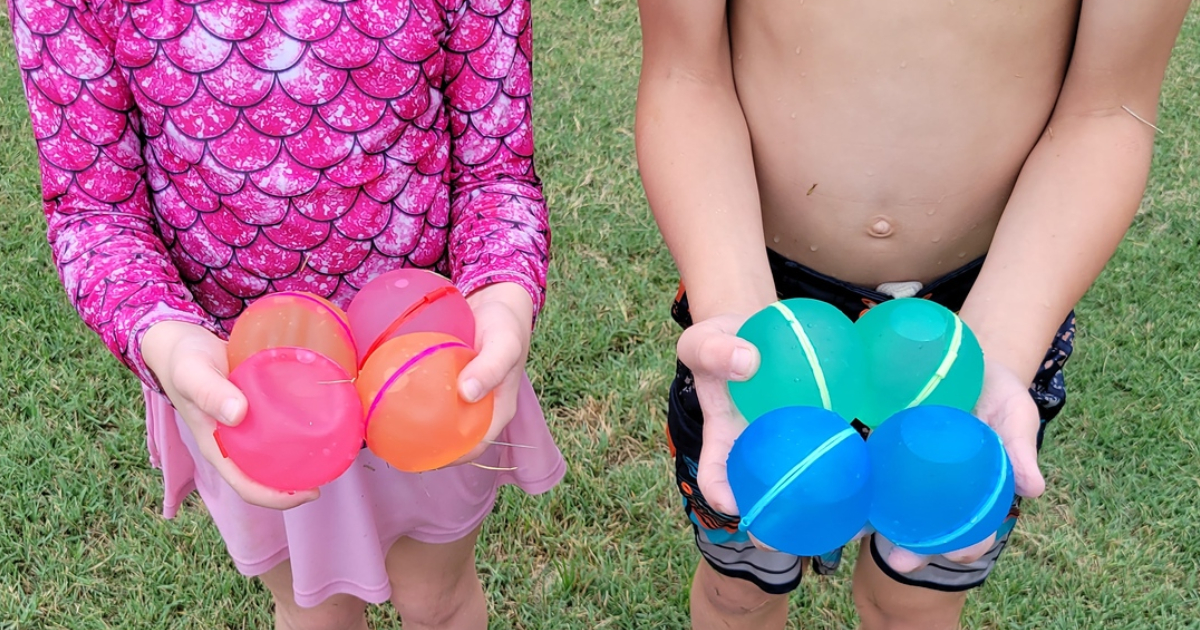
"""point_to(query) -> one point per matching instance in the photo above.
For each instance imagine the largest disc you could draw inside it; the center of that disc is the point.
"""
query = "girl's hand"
(503, 323)
(190, 363)
(1006, 406)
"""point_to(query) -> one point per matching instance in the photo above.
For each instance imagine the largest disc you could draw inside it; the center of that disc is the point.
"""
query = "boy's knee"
(732, 597)
(339, 612)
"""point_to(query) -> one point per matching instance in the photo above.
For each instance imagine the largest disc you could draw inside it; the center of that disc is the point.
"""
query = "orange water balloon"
(297, 320)
(416, 420)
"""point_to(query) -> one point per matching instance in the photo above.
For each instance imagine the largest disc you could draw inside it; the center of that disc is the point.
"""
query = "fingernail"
(472, 390)
(741, 362)
(229, 410)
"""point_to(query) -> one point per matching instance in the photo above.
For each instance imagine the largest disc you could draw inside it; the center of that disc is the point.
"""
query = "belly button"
(880, 226)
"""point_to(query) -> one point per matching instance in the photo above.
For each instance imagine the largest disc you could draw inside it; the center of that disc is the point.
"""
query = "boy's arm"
(698, 172)
(694, 155)
(1081, 185)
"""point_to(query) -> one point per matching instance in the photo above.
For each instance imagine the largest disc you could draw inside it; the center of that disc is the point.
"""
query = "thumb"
(498, 355)
(709, 350)
(205, 386)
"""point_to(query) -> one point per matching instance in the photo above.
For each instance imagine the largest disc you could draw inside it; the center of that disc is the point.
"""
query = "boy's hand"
(503, 323)
(716, 355)
(191, 365)
(1006, 406)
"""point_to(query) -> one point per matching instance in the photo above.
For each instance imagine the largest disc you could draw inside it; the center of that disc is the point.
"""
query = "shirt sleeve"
(499, 222)
(109, 255)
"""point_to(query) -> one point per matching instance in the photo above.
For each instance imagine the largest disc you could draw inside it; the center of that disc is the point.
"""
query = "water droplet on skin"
(401, 283)
(306, 356)
(793, 114)
(814, 247)
(803, 74)
(937, 239)
(962, 254)
(775, 239)
(903, 64)
(931, 211)
(797, 50)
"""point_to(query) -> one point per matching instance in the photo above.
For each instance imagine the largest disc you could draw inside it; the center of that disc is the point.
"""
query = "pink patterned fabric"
(197, 154)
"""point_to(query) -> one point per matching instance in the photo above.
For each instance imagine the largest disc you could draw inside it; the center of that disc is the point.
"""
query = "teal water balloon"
(917, 353)
(811, 356)
(942, 480)
(800, 477)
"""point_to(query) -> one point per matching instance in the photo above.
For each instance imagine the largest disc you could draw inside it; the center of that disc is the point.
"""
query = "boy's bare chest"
(919, 114)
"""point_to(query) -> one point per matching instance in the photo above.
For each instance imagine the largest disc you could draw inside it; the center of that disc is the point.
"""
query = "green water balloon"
(917, 353)
(811, 356)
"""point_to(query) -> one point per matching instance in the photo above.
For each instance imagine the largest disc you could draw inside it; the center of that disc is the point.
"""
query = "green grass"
(1113, 544)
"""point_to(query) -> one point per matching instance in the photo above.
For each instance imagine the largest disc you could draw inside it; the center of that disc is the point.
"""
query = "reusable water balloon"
(303, 426)
(406, 301)
(800, 478)
(811, 355)
(293, 320)
(942, 480)
(416, 420)
(918, 353)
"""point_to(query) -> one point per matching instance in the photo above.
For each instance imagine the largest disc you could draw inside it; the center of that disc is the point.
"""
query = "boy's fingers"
(1022, 452)
(721, 429)
(972, 553)
(905, 561)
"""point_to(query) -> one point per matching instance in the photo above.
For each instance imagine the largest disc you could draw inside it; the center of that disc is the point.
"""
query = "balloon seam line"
(982, 511)
(404, 368)
(341, 322)
(810, 353)
(944, 368)
(406, 315)
(791, 475)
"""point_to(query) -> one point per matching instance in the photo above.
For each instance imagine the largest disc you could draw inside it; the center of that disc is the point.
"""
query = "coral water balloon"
(811, 355)
(800, 478)
(416, 420)
(406, 301)
(918, 353)
(942, 479)
(303, 426)
(295, 320)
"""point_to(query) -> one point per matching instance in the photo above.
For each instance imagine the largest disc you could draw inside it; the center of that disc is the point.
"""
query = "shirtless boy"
(856, 151)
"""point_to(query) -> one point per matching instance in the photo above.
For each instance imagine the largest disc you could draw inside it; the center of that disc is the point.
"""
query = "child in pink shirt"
(197, 155)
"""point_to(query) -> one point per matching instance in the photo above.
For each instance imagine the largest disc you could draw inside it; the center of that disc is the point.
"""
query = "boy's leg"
(736, 585)
(436, 585)
(339, 612)
(720, 602)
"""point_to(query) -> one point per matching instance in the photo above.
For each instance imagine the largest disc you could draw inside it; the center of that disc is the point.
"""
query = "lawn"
(1113, 544)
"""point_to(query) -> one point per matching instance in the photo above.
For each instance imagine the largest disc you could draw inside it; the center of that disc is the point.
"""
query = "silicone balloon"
(293, 320)
(811, 355)
(303, 426)
(408, 300)
(800, 478)
(918, 353)
(942, 480)
(416, 420)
